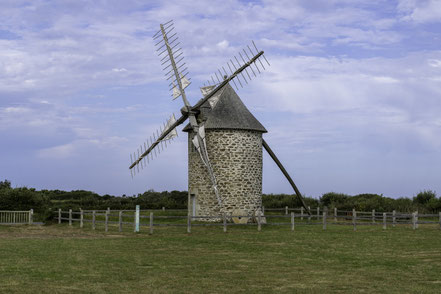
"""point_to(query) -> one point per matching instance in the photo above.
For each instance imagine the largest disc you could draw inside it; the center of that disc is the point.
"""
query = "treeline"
(45, 201)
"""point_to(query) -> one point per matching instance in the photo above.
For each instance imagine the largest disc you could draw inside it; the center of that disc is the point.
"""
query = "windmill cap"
(229, 112)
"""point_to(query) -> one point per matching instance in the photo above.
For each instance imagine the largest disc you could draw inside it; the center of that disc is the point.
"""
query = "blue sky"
(352, 100)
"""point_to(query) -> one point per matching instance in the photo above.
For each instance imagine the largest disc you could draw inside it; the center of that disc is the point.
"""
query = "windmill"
(224, 139)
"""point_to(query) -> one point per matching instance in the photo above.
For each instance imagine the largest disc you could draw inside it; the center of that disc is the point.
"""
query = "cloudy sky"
(352, 100)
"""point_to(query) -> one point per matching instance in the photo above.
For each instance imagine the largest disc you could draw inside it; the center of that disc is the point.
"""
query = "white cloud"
(420, 11)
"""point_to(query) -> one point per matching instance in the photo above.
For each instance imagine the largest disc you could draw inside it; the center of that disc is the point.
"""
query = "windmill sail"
(173, 133)
(184, 82)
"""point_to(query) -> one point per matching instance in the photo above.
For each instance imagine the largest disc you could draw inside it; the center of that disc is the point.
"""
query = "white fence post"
(151, 223)
(137, 211)
(70, 217)
(59, 215)
(354, 219)
(384, 221)
(163, 208)
(373, 216)
(293, 224)
(335, 214)
(81, 218)
(324, 220)
(286, 210)
(413, 220)
(318, 213)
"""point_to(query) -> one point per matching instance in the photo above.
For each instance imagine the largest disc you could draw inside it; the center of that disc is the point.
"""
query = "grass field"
(61, 259)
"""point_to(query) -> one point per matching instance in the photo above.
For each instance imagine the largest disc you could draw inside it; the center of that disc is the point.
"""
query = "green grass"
(60, 259)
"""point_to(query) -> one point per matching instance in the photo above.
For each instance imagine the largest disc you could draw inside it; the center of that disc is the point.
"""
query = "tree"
(5, 185)
(424, 197)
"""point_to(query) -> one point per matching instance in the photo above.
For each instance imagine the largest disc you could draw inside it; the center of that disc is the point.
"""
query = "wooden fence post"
(373, 216)
(318, 213)
(309, 216)
(335, 214)
(225, 223)
(59, 215)
(70, 217)
(292, 221)
(106, 221)
(163, 208)
(81, 218)
(394, 218)
(31, 216)
(440, 220)
(151, 223)
(189, 223)
(324, 220)
(259, 220)
(413, 220)
(384, 221)
(301, 213)
(93, 220)
(416, 219)
(263, 210)
(286, 210)
(354, 219)
(120, 221)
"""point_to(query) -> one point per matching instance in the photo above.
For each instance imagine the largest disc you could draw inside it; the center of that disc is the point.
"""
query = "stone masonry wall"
(236, 158)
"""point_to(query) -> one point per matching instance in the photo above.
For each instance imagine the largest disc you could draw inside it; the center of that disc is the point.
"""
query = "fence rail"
(13, 217)
(289, 217)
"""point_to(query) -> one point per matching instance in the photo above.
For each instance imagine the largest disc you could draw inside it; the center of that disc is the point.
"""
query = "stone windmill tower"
(234, 144)
(224, 139)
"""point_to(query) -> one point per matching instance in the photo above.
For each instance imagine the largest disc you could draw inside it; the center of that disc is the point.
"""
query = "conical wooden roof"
(229, 112)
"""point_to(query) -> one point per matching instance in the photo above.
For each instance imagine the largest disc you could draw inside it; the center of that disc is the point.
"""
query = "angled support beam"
(285, 173)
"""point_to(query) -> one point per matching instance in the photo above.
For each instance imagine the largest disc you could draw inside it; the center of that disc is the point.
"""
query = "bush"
(25, 199)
